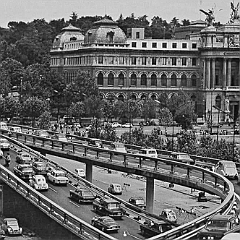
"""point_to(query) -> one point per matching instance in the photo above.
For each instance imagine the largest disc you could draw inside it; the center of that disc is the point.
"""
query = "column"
(229, 72)
(238, 83)
(224, 73)
(149, 194)
(208, 70)
(89, 170)
(213, 80)
(204, 74)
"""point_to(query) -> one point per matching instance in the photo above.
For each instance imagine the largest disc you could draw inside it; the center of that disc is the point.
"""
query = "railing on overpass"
(218, 184)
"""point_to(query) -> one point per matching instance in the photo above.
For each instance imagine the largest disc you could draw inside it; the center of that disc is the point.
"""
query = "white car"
(38, 182)
(127, 125)
(4, 144)
(57, 177)
(116, 124)
(80, 172)
(11, 227)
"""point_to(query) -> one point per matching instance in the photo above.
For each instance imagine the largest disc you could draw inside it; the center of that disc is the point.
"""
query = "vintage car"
(57, 177)
(149, 152)
(231, 236)
(23, 158)
(38, 182)
(11, 227)
(138, 202)
(24, 171)
(95, 142)
(115, 188)
(169, 214)
(108, 207)
(80, 172)
(4, 144)
(182, 157)
(218, 226)
(105, 224)
(40, 167)
(82, 195)
(150, 228)
(41, 133)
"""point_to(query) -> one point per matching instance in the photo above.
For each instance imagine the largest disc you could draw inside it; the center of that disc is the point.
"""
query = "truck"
(218, 226)
(108, 207)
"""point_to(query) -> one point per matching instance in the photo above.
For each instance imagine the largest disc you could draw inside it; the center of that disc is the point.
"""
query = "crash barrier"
(206, 180)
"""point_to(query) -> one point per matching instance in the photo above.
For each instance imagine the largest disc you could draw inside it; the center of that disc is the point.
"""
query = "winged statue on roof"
(210, 18)
(234, 13)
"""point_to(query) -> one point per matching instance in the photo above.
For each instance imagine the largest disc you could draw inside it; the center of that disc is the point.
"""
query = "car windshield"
(220, 224)
(87, 193)
(113, 205)
(12, 222)
(109, 220)
(25, 156)
(60, 174)
(152, 152)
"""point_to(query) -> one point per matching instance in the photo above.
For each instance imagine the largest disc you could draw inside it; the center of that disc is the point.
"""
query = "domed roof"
(69, 33)
(105, 31)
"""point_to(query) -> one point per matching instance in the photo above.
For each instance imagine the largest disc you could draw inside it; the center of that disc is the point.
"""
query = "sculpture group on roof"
(234, 14)
(210, 18)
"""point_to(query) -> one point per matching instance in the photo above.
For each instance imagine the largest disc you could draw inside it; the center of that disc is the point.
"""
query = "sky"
(28, 10)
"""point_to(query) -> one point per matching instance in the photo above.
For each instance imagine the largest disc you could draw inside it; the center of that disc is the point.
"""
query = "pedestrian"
(7, 160)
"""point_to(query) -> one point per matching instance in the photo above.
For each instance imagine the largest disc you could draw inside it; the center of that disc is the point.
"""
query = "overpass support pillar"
(149, 194)
(89, 170)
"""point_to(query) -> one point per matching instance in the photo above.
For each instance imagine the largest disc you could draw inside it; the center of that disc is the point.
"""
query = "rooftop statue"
(234, 14)
(209, 16)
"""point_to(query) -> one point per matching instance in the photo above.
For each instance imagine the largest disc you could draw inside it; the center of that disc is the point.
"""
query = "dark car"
(82, 195)
(40, 167)
(139, 202)
(105, 224)
(24, 171)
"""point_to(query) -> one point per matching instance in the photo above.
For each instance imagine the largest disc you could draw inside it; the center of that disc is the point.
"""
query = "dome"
(68, 34)
(105, 31)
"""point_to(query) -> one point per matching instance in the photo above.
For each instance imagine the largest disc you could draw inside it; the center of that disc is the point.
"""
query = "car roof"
(39, 176)
(106, 217)
(222, 217)
(137, 198)
(231, 236)
(9, 219)
(109, 200)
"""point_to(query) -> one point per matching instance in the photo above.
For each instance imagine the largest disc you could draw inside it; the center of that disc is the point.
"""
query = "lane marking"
(75, 204)
(52, 189)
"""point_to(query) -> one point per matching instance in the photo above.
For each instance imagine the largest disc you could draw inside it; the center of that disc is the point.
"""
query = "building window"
(120, 79)
(144, 61)
(164, 45)
(134, 44)
(184, 80)
(110, 60)
(144, 79)
(100, 79)
(110, 79)
(144, 44)
(174, 61)
(153, 80)
(121, 60)
(194, 45)
(184, 45)
(164, 61)
(193, 80)
(164, 80)
(133, 60)
(137, 35)
(174, 45)
(218, 102)
(133, 80)
(194, 61)
(100, 60)
(154, 61)
(184, 61)
(173, 80)
(154, 45)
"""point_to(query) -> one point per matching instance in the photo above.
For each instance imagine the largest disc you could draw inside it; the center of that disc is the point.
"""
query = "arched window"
(133, 80)
(218, 102)
(184, 80)
(120, 79)
(164, 80)
(173, 80)
(133, 97)
(194, 80)
(143, 97)
(153, 97)
(153, 80)
(100, 79)
(143, 79)
(121, 98)
(110, 79)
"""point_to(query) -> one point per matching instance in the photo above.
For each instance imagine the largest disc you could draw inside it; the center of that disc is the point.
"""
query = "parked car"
(105, 224)
(11, 226)
(127, 125)
(40, 167)
(57, 177)
(169, 214)
(38, 182)
(24, 171)
(82, 195)
(23, 158)
(4, 144)
(115, 188)
(80, 172)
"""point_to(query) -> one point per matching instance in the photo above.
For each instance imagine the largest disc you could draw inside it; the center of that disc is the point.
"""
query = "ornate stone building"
(205, 64)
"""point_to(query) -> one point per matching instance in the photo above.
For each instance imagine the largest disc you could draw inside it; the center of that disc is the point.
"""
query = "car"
(95, 142)
(118, 146)
(231, 236)
(169, 214)
(80, 172)
(138, 202)
(3, 126)
(23, 158)
(38, 182)
(57, 177)
(1, 153)
(182, 157)
(11, 226)
(116, 124)
(82, 195)
(115, 188)
(15, 129)
(127, 125)
(4, 144)
(40, 167)
(105, 224)
(24, 171)
(60, 137)
(148, 152)
(41, 133)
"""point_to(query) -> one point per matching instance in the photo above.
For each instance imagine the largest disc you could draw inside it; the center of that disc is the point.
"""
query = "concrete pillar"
(213, 80)
(89, 170)
(229, 72)
(208, 70)
(149, 194)
(224, 73)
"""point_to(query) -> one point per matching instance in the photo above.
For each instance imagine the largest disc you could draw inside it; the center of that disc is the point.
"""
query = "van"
(227, 169)
(3, 126)
(182, 157)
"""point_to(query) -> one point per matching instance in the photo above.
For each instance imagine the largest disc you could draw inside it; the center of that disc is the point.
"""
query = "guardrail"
(218, 184)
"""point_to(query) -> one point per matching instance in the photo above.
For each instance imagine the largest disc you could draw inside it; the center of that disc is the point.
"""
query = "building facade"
(205, 64)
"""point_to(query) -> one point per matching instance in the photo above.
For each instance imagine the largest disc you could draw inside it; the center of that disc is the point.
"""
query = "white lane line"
(74, 204)
(52, 189)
